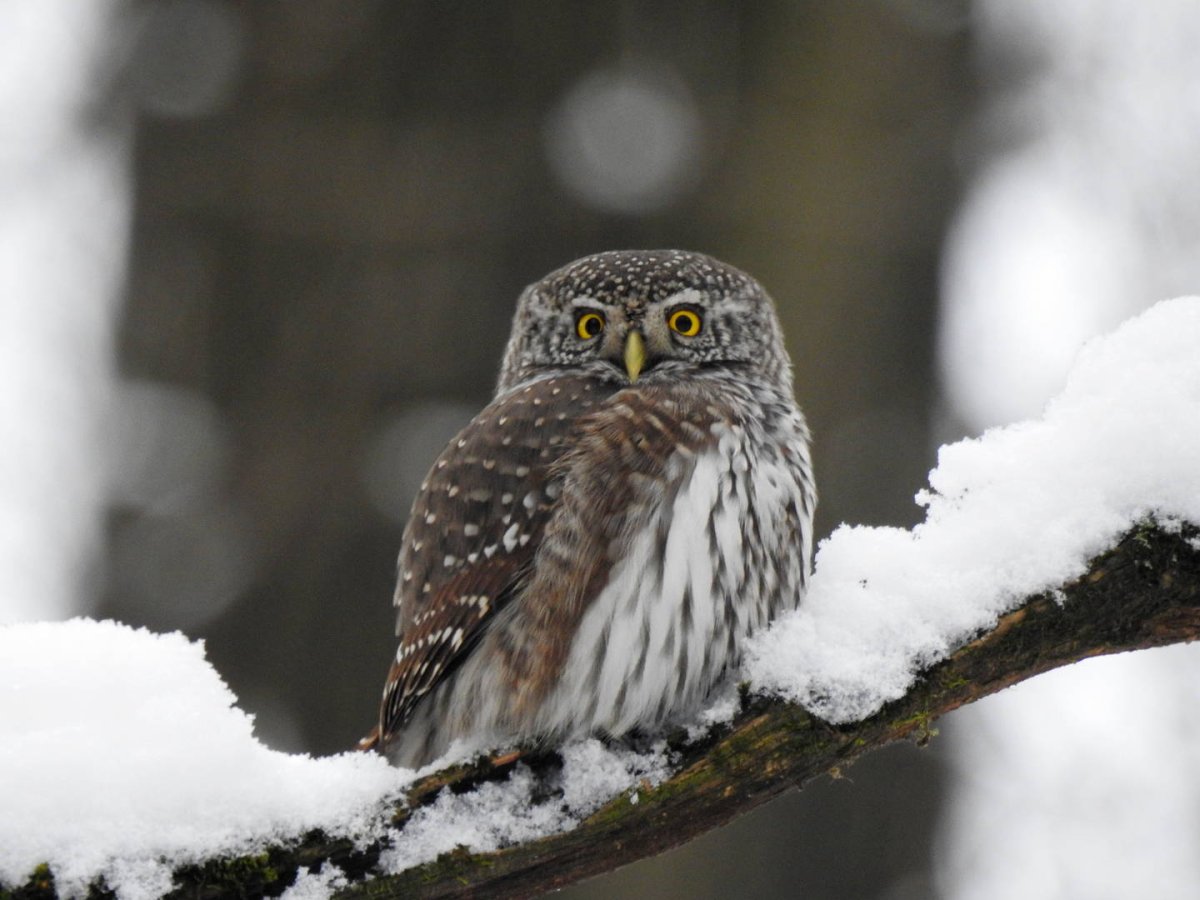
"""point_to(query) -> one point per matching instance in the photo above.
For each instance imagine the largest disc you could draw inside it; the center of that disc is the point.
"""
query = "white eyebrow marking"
(687, 295)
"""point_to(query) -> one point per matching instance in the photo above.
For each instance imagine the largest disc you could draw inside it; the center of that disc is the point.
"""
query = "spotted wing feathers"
(475, 526)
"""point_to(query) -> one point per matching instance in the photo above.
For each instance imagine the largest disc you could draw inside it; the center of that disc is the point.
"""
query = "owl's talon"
(505, 759)
(369, 742)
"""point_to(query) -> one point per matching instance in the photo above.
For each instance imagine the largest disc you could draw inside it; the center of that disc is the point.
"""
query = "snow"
(120, 746)
(497, 814)
(316, 885)
(1014, 512)
(123, 754)
(1080, 209)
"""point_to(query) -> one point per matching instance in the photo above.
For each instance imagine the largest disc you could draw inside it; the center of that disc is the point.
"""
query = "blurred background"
(258, 260)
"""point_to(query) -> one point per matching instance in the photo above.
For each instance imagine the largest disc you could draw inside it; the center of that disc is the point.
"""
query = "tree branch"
(1143, 593)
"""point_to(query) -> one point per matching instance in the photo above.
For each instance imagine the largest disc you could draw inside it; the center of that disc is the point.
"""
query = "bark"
(1144, 592)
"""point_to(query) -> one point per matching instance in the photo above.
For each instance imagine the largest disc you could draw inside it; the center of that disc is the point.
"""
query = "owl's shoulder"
(490, 490)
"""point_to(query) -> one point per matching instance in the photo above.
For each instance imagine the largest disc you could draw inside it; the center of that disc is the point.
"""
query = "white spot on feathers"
(510, 538)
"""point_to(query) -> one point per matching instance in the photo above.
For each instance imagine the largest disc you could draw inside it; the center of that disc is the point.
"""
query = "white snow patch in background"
(1019, 302)
(1020, 510)
(122, 754)
(497, 815)
(1083, 742)
(64, 223)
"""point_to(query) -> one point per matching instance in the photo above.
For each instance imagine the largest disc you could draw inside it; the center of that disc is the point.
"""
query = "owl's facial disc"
(693, 315)
(636, 335)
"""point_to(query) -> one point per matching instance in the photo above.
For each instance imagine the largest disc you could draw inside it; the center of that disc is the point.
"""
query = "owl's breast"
(702, 529)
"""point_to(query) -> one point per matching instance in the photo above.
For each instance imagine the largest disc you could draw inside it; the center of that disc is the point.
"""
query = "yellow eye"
(588, 325)
(685, 322)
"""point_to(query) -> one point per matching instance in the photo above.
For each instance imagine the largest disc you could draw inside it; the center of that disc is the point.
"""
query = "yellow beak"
(635, 354)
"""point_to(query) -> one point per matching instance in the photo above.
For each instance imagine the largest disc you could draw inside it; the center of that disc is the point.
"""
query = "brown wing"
(474, 528)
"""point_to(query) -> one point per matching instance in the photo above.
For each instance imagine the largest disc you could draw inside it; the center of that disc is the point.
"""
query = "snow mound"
(1017, 511)
(122, 754)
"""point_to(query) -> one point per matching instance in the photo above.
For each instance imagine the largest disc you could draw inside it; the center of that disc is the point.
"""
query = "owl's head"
(646, 316)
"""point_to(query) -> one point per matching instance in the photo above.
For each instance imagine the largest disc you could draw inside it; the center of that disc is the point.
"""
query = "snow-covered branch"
(124, 765)
(1143, 593)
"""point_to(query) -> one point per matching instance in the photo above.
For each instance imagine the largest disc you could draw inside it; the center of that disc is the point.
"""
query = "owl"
(589, 555)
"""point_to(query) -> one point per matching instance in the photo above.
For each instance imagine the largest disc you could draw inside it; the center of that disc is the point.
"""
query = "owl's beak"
(635, 354)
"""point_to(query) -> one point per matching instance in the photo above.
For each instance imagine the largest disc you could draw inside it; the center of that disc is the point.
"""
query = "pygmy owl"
(590, 553)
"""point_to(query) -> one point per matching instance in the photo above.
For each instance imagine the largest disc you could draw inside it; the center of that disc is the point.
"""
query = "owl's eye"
(685, 322)
(588, 325)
